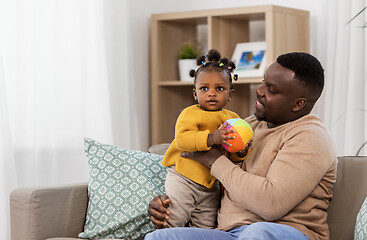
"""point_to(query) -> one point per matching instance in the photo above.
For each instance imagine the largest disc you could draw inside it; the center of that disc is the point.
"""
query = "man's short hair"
(307, 69)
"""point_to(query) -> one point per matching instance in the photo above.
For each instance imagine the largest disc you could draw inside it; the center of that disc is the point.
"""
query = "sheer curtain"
(55, 89)
(7, 164)
(346, 101)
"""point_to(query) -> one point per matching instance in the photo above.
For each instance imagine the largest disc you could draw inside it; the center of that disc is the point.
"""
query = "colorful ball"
(242, 132)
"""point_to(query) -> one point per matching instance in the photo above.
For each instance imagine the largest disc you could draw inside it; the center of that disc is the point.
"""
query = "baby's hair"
(214, 63)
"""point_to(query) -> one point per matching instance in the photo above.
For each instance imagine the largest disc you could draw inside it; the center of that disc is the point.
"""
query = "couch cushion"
(360, 232)
(122, 182)
(48, 211)
(349, 192)
(77, 239)
(65, 239)
(159, 149)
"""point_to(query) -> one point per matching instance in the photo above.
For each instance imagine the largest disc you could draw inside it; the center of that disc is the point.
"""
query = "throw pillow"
(121, 184)
(360, 231)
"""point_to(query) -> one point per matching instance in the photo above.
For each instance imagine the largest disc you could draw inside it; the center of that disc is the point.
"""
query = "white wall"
(139, 12)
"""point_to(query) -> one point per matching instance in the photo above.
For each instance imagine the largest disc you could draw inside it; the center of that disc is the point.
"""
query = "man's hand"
(244, 152)
(158, 211)
(207, 158)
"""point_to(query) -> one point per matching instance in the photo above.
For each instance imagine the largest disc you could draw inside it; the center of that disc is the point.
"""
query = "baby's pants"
(192, 204)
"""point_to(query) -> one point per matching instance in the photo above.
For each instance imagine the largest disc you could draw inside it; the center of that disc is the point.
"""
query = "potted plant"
(187, 60)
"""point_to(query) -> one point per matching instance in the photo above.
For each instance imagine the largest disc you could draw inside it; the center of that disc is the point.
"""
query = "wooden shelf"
(286, 30)
(180, 83)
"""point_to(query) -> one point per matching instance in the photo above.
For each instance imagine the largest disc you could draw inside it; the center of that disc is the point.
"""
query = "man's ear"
(300, 104)
(194, 94)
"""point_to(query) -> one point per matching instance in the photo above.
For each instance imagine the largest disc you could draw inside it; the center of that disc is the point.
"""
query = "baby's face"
(212, 90)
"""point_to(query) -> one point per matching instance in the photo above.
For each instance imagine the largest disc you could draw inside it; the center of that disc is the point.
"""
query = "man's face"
(277, 96)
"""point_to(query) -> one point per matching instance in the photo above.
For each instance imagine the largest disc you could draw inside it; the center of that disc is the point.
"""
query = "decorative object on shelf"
(187, 60)
(250, 59)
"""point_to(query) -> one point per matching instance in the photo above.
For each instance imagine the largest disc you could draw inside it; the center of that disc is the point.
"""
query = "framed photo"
(250, 59)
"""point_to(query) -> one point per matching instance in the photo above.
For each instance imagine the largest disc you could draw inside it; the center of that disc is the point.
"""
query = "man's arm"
(206, 158)
(291, 177)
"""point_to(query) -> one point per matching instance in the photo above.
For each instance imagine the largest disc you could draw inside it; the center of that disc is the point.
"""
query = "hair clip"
(221, 64)
(229, 67)
(202, 62)
(235, 77)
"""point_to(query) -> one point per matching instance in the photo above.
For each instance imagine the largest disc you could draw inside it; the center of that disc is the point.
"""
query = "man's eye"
(272, 90)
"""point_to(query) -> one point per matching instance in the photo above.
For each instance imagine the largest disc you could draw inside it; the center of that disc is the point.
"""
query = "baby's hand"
(220, 136)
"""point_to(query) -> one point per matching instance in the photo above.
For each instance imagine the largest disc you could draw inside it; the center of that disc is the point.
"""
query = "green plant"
(189, 51)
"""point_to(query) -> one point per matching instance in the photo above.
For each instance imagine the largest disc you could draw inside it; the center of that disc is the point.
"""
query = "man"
(283, 188)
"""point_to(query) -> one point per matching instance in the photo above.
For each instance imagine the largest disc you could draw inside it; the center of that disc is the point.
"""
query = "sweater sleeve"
(297, 168)
(187, 134)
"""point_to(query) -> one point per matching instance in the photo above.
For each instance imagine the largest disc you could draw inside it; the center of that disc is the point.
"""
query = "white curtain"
(7, 164)
(346, 76)
(55, 89)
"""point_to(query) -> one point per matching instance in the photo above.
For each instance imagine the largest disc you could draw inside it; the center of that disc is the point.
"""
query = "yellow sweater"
(191, 134)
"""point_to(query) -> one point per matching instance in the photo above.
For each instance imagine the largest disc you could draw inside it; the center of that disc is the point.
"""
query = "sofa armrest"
(44, 212)
(350, 190)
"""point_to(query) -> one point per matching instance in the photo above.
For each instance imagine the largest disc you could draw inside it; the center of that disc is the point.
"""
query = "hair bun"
(192, 73)
(213, 55)
(200, 60)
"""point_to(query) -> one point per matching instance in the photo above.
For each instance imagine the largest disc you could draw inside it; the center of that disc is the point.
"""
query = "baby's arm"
(188, 136)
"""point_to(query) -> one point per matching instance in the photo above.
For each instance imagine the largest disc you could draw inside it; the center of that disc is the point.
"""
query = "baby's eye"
(203, 88)
(220, 88)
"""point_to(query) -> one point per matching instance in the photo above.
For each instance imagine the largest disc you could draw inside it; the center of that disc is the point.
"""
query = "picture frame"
(250, 59)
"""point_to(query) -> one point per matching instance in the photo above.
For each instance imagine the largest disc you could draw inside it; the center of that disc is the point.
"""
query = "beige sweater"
(287, 178)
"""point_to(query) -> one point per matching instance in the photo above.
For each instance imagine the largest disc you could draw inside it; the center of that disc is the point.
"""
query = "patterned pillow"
(360, 231)
(121, 184)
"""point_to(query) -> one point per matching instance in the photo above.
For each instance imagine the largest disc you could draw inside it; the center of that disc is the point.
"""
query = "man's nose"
(260, 90)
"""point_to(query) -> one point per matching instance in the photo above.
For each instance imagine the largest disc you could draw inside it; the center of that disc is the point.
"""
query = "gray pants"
(192, 203)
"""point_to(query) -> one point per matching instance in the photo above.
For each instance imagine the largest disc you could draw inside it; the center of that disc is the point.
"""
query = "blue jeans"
(255, 231)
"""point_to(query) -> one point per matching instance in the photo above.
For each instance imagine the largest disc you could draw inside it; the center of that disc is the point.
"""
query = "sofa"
(59, 212)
